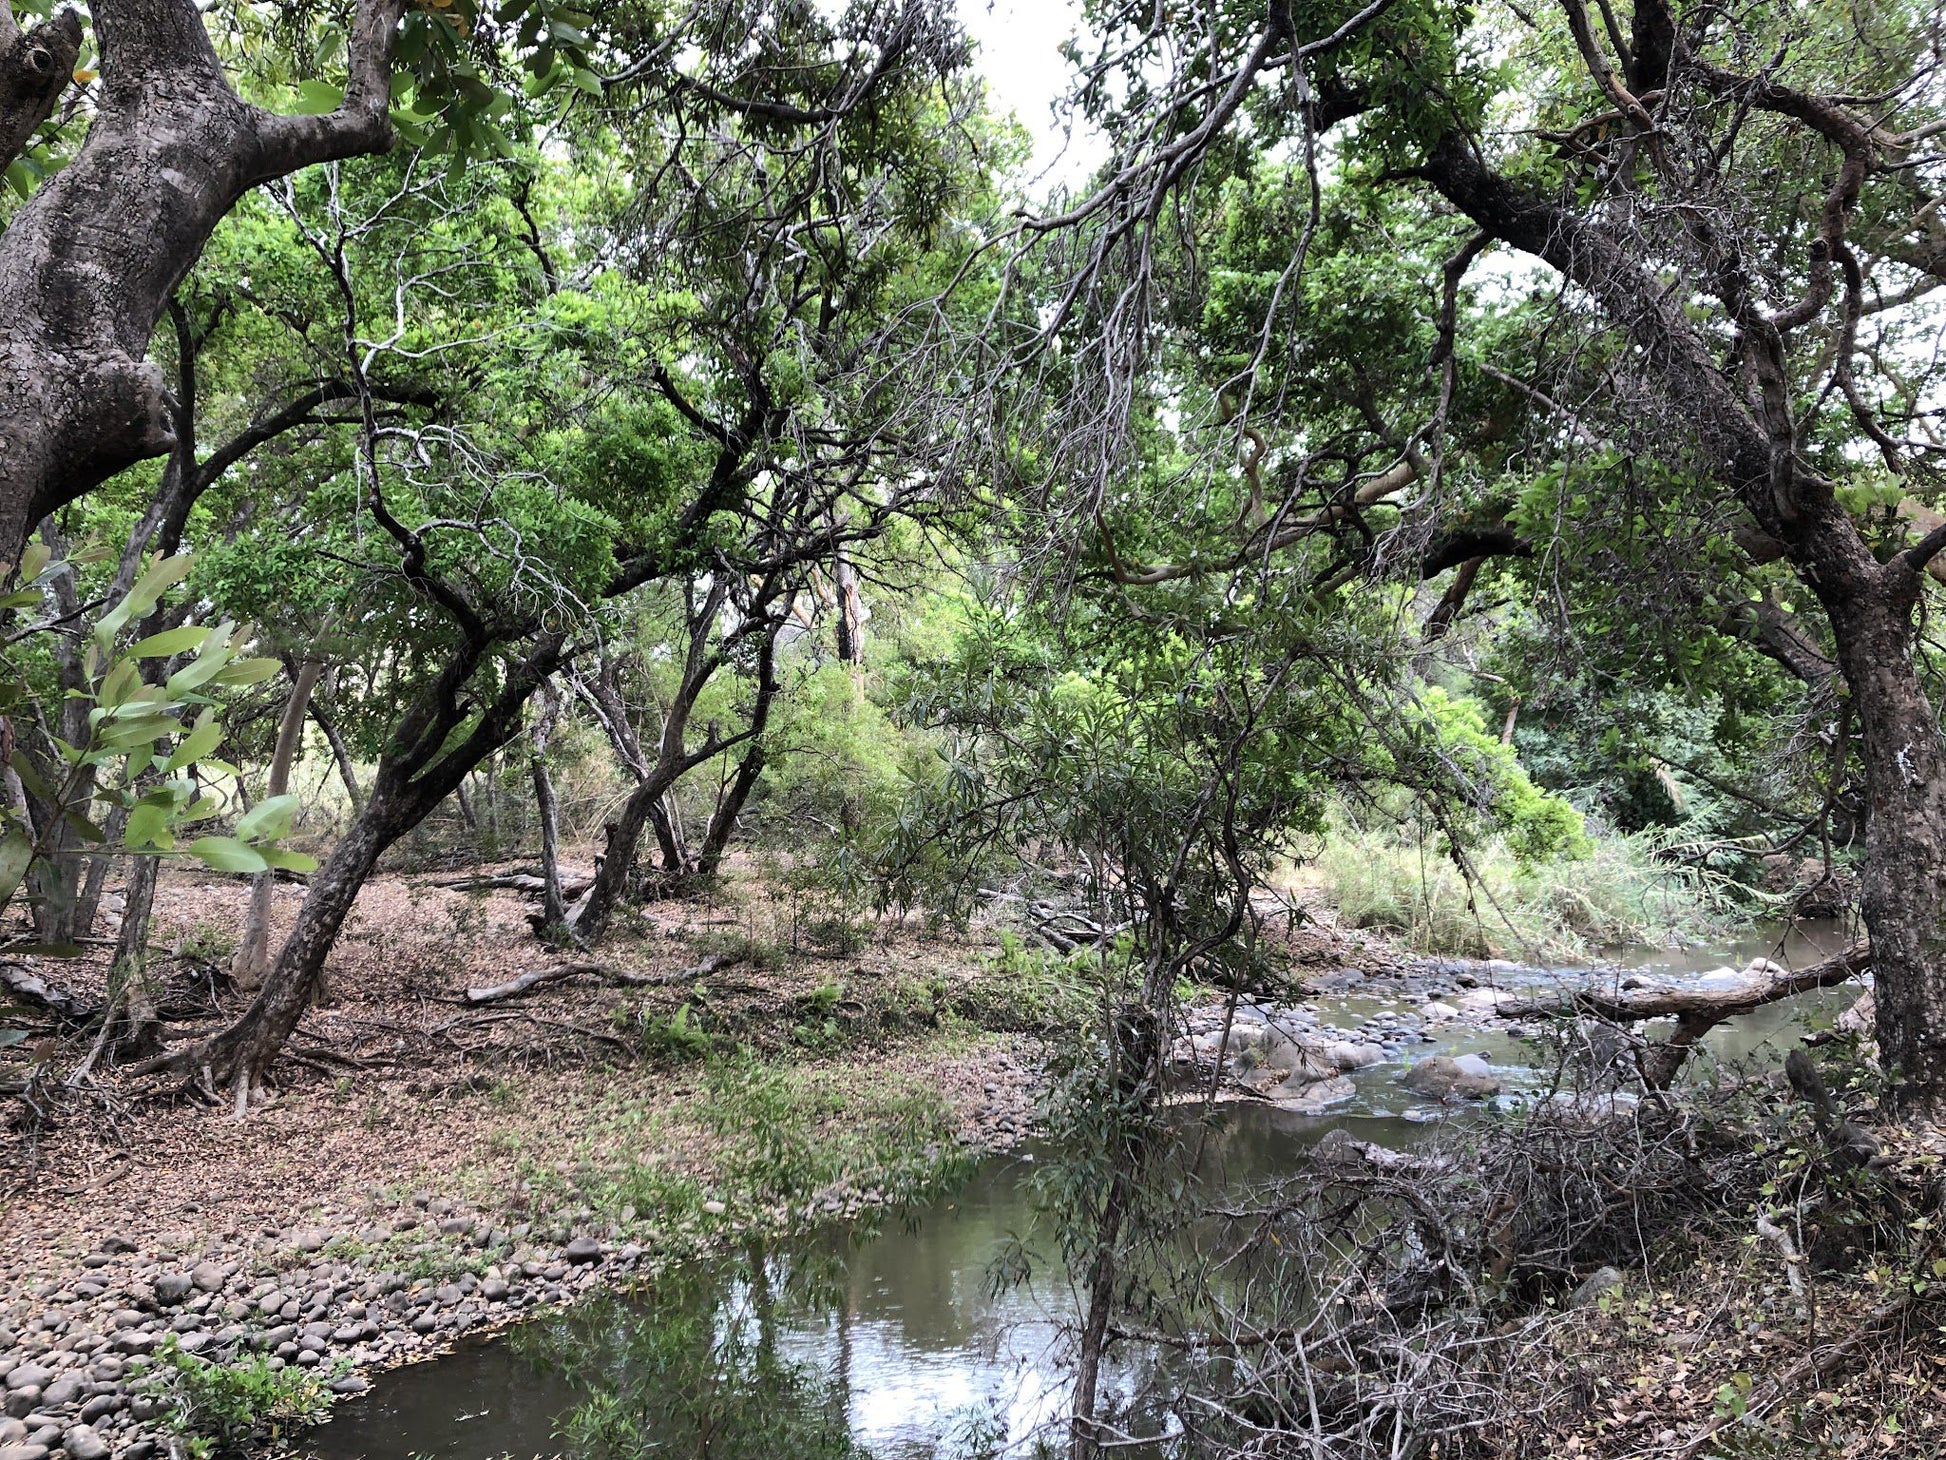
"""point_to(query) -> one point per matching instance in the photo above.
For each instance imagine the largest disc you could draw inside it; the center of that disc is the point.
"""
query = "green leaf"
(158, 578)
(198, 743)
(315, 98)
(148, 826)
(29, 777)
(16, 852)
(227, 854)
(268, 819)
(169, 642)
(122, 681)
(287, 860)
(245, 672)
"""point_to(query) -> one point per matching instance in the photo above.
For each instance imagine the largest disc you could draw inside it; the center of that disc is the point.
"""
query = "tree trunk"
(252, 958)
(418, 771)
(1870, 605)
(1903, 878)
(137, 1032)
(622, 836)
(87, 264)
(664, 818)
(851, 610)
(722, 824)
(554, 912)
(347, 772)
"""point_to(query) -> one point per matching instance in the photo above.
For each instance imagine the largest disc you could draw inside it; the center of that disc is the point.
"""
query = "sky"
(1020, 56)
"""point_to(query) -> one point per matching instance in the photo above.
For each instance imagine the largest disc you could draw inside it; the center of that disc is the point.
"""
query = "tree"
(89, 262)
(1742, 255)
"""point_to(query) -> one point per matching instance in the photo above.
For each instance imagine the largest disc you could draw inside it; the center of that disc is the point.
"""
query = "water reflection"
(898, 1347)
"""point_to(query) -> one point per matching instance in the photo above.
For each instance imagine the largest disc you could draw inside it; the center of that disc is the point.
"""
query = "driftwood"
(37, 991)
(535, 978)
(1697, 1007)
(1063, 929)
(531, 883)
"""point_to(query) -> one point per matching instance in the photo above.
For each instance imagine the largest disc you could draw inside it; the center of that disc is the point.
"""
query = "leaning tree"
(186, 114)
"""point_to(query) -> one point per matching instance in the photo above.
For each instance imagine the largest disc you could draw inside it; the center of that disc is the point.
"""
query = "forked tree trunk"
(88, 263)
(251, 960)
(723, 823)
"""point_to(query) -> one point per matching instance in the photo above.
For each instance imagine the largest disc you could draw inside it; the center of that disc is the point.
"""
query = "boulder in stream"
(1313, 1097)
(1443, 1077)
(1299, 1060)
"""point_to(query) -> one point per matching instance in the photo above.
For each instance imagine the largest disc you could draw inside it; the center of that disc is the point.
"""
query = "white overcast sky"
(1020, 55)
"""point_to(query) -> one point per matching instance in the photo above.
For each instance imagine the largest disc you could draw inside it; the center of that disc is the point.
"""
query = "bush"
(231, 1409)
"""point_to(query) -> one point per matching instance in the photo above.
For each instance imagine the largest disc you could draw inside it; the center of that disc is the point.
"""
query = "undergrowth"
(1623, 891)
(217, 1410)
(758, 1140)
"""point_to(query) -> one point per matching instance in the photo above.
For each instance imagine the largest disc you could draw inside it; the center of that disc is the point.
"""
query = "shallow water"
(899, 1346)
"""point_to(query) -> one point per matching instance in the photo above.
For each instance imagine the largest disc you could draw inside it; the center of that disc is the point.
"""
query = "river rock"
(28, 1376)
(1313, 1097)
(208, 1277)
(23, 1451)
(582, 1250)
(172, 1287)
(1442, 1077)
(1349, 1054)
(62, 1392)
(1601, 1280)
(1438, 1013)
(84, 1442)
(1297, 1059)
(1861, 1017)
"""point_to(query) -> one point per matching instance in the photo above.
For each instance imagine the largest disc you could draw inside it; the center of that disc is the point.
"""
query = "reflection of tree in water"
(692, 1367)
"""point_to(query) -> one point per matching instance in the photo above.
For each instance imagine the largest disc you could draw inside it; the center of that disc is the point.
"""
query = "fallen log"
(31, 989)
(1697, 1005)
(530, 883)
(550, 973)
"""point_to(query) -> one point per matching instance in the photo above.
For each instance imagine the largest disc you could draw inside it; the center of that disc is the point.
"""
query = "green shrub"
(232, 1409)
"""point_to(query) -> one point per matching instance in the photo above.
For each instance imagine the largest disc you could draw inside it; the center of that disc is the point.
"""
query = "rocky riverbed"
(1417, 1038)
(357, 1286)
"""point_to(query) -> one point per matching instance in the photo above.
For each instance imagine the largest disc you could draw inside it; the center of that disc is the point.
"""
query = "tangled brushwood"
(1739, 1270)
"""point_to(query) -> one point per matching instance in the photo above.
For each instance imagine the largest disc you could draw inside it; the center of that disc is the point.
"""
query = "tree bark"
(88, 263)
(136, 1033)
(251, 960)
(554, 912)
(622, 836)
(1871, 606)
(722, 823)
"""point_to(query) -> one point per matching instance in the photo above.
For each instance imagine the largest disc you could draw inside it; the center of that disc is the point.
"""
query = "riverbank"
(434, 1169)
(439, 1166)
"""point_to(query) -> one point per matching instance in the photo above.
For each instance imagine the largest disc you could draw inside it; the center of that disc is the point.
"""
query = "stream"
(898, 1345)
